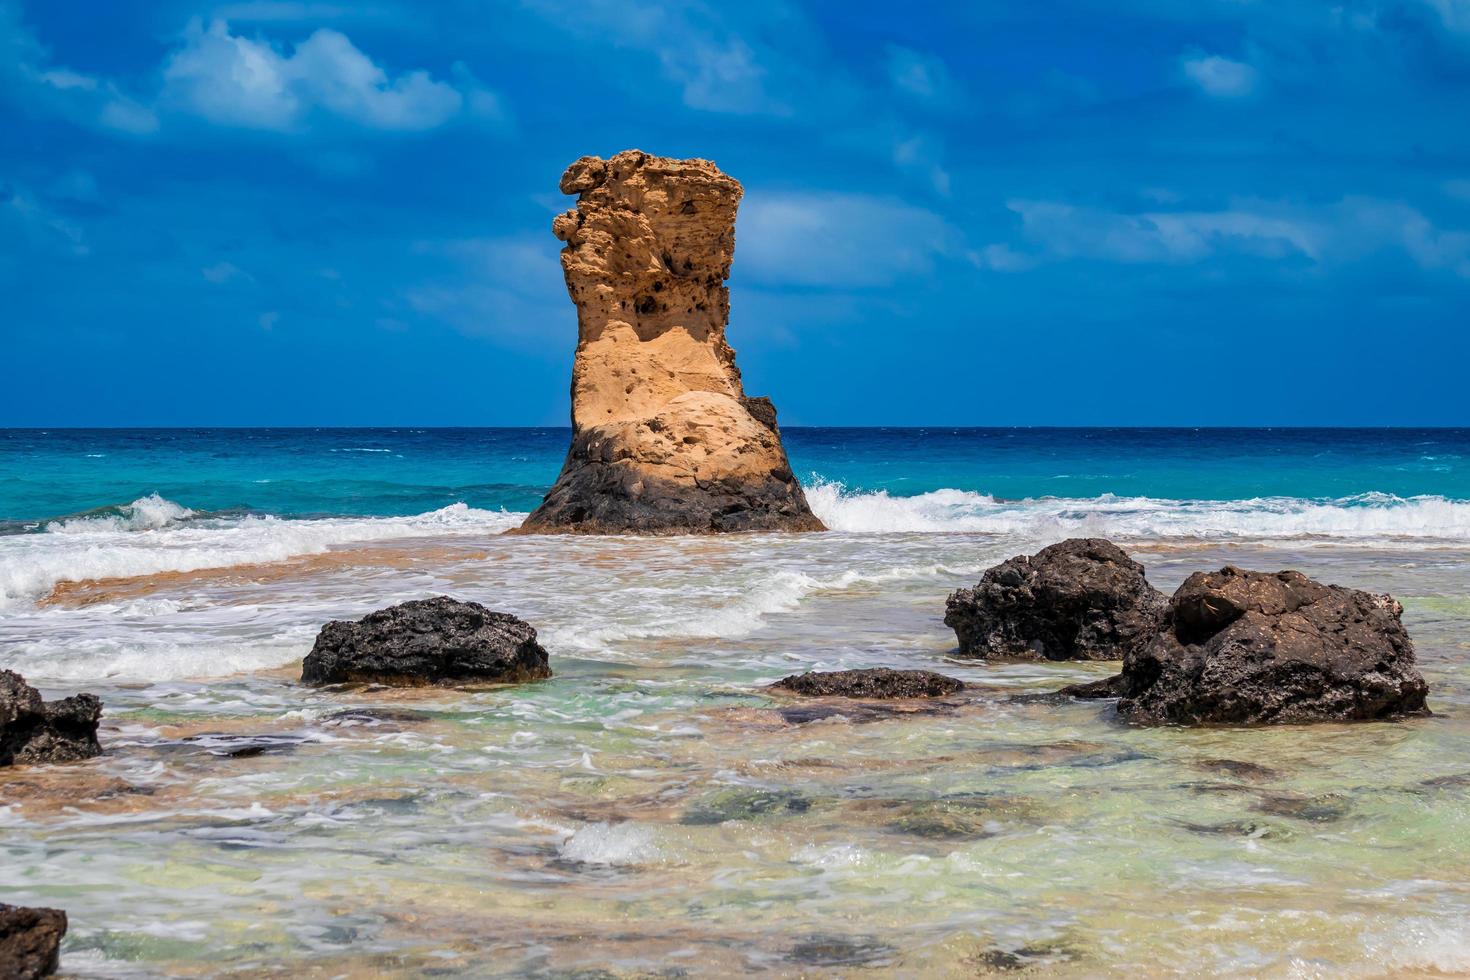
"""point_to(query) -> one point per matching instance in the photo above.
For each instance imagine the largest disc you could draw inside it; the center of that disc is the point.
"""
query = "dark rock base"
(30, 941)
(33, 731)
(875, 682)
(594, 495)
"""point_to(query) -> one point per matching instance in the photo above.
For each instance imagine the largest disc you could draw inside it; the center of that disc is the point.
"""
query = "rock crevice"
(664, 439)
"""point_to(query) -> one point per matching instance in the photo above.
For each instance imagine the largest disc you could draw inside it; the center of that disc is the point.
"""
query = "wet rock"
(242, 746)
(33, 731)
(861, 713)
(1230, 828)
(30, 941)
(1313, 809)
(745, 804)
(427, 641)
(1234, 767)
(944, 820)
(664, 438)
(1081, 599)
(1239, 647)
(375, 717)
(999, 960)
(824, 950)
(875, 682)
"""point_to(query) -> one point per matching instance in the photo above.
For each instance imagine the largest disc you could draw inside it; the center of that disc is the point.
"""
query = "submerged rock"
(427, 641)
(664, 439)
(872, 682)
(35, 731)
(1240, 647)
(30, 941)
(1080, 599)
(744, 804)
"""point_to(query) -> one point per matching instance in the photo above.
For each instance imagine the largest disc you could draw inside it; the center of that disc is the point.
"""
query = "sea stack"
(664, 439)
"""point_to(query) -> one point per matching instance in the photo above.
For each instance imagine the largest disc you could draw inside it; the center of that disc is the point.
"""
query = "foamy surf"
(153, 535)
(1365, 518)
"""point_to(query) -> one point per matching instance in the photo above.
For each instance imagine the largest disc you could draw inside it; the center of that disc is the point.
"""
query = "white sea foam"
(153, 535)
(618, 844)
(144, 514)
(1367, 517)
(777, 592)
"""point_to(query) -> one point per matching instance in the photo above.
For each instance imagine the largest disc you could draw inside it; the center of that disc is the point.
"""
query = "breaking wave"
(153, 535)
(1366, 517)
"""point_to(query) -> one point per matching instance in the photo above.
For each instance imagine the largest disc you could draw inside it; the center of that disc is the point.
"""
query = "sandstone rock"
(1081, 599)
(874, 682)
(33, 731)
(1240, 647)
(664, 439)
(30, 941)
(427, 641)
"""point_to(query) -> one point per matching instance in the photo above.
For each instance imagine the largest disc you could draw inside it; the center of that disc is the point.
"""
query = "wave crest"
(1361, 518)
(177, 539)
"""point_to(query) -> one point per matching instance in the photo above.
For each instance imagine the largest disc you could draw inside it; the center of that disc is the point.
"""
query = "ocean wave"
(779, 592)
(1362, 518)
(144, 514)
(154, 535)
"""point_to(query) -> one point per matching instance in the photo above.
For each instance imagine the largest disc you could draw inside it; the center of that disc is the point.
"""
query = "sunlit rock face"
(664, 439)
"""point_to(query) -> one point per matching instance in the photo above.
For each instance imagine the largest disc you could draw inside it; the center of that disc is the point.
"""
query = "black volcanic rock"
(35, 731)
(1240, 647)
(1081, 599)
(427, 641)
(30, 941)
(874, 682)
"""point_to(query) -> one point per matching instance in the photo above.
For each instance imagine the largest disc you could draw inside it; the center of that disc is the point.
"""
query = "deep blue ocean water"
(46, 474)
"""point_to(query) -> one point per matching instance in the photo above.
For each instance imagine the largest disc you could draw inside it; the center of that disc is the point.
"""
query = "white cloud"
(922, 76)
(1347, 231)
(1455, 14)
(740, 59)
(510, 287)
(1220, 77)
(223, 272)
(1003, 258)
(236, 81)
(835, 239)
(250, 82)
(39, 84)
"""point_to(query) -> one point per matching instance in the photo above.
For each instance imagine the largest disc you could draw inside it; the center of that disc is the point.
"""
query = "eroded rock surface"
(30, 941)
(427, 641)
(664, 439)
(1080, 599)
(35, 731)
(1240, 647)
(874, 682)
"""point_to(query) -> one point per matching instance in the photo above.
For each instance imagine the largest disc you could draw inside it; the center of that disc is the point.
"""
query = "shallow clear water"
(649, 810)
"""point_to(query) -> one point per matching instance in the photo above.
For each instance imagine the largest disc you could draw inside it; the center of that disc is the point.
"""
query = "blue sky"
(987, 213)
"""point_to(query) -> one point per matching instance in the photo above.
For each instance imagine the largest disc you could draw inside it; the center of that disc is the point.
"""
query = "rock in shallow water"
(664, 439)
(30, 941)
(1081, 599)
(35, 731)
(427, 641)
(873, 682)
(1239, 647)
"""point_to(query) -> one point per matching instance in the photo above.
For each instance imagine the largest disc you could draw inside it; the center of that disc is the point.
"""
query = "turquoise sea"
(650, 810)
(399, 472)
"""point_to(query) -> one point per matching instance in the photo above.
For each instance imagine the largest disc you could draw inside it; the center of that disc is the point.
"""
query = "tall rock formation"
(664, 440)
